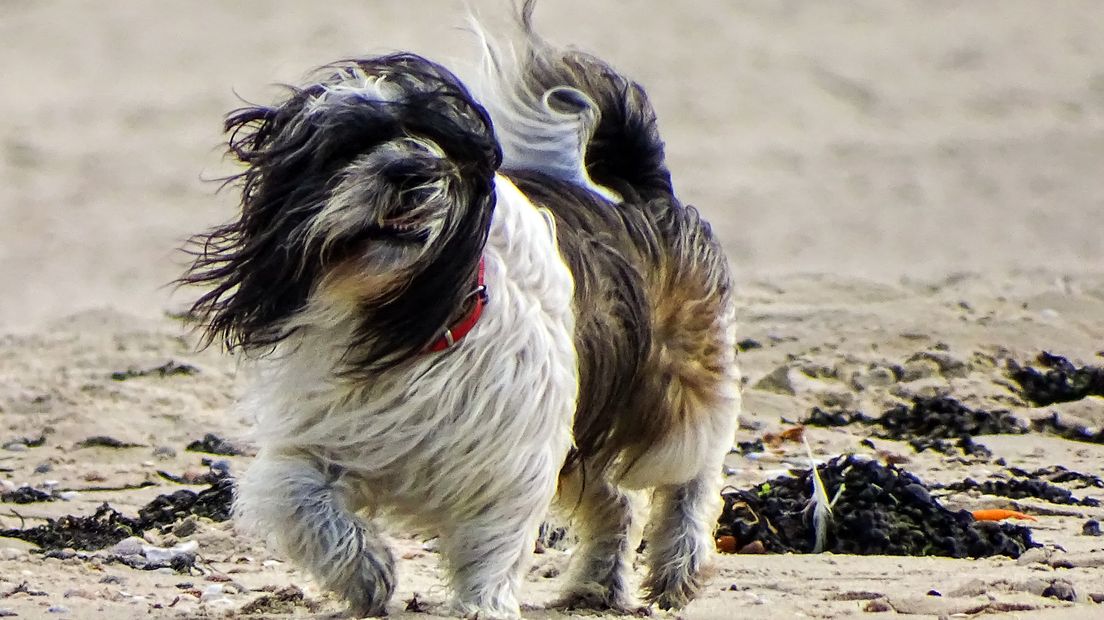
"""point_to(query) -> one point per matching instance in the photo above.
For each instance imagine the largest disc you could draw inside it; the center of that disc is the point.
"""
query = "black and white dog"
(464, 304)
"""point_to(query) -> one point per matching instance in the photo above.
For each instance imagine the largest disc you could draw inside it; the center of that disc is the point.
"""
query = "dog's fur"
(604, 360)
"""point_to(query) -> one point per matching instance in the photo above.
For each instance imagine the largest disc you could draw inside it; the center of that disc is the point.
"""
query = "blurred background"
(882, 140)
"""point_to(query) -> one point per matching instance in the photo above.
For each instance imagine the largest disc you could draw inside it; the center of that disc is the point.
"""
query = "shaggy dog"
(463, 306)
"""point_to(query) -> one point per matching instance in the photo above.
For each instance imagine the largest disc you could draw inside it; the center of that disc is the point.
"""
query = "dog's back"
(653, 292)
(658, 386)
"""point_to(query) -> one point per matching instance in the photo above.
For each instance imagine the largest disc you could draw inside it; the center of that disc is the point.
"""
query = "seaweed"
(940, 423)
(168, 369)
(1018, 488)
(213, 444)
(108, 526)
(103, 529)
(1062, 382)
(876, 509)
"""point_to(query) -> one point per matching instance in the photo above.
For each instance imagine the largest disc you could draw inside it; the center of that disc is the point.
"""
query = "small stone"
(129, 546)
(79, 593)
(57, 609)
(877, 606)
(15, 446)
(777, 381)
(44, 467)
(919, 369)
(1091, 528)
(878, 376)
(212, 592)
(1033, 556)
(185, 528)
(164, 453)
(1061, 590)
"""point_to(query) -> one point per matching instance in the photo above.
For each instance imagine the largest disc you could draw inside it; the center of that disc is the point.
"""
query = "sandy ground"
(890, 179)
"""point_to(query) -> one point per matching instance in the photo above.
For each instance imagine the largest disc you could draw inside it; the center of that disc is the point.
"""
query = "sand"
(890, 180)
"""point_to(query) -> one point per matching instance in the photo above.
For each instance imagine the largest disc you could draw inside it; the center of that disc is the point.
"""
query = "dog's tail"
(570, 115)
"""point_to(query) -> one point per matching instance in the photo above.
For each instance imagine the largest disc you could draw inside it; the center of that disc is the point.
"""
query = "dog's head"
(366, 197)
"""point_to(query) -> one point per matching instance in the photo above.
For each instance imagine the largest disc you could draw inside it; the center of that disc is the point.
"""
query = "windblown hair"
(582, 140)
(384, 162)
(572, 116)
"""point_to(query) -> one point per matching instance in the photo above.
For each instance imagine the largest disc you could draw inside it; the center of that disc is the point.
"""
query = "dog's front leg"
(487, 554)
(291, 500)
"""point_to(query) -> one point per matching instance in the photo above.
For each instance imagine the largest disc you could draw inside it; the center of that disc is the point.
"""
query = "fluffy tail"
(570, 115)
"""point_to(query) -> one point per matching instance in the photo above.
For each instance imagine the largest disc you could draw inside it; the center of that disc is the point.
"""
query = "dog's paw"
(369, 588)
(478, 612)
(600, 601)
(672, 591)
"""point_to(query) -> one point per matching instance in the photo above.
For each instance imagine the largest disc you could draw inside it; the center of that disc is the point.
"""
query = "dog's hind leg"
(603, 517)
(304, 509)
(680, 539)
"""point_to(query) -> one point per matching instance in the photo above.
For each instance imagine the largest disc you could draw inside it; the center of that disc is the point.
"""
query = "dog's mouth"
(402, 232)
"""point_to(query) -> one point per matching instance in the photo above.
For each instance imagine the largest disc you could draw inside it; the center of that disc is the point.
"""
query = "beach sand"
(903, 181)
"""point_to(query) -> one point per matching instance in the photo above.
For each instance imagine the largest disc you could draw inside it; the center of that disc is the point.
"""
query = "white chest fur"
(450, 431)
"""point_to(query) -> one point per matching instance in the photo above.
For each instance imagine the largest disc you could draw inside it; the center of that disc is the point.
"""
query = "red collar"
(457, 331)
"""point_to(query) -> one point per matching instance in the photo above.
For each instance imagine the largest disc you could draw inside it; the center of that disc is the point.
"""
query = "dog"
(465, 305)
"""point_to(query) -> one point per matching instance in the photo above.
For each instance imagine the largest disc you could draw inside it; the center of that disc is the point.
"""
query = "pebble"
(1061, 590)
(15, 446)
(879, 376)
(1091, 528)
(129, 546)
(211, 591)
(6, 613)
(164, 452)
(919, 369)
(185, 528)
(877, 606)
(57, 609)
(165, 555)
(1032, 556)
(43, 468)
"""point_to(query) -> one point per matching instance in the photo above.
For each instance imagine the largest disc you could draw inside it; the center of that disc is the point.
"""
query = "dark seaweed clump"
(941, 423)
(25, 495)
(880, 510)
(103, 529)
(1017, 488)
(214, 503)
(213, 444)
(168, 369)
(1062, 382)
(1059, 475)
(108, 526)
